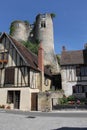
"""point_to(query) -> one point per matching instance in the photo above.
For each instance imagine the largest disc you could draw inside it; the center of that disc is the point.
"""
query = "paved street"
(12, 120)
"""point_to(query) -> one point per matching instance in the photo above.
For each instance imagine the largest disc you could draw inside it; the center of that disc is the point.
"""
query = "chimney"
(41, 58)
(63, 48)
(41, 66)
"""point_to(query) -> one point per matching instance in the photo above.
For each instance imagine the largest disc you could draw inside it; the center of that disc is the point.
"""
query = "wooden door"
(17, 99)
(34, 102)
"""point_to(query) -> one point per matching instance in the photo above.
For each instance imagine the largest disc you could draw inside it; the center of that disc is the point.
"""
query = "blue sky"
(70, 23)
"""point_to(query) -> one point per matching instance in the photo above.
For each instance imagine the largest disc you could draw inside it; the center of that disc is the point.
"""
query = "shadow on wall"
(70, 128)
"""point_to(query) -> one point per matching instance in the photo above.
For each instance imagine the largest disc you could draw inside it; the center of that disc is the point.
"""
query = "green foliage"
(12, 28)
(53, 15)
(63, 100)
(31, 46)
(71, 98)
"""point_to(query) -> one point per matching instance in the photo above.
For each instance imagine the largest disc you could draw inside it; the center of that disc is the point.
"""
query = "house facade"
(74, 72)
(22, 75)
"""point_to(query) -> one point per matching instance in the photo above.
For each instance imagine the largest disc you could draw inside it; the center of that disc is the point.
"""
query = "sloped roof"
(73, 57)
(30, 58)
(27, 54)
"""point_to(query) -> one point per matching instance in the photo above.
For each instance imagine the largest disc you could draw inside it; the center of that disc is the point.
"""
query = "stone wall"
(47, 99)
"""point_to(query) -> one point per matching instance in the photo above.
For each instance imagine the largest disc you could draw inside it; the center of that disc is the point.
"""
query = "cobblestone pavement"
(25, 122)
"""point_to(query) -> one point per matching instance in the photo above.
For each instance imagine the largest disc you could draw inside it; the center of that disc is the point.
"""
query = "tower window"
(43, 24)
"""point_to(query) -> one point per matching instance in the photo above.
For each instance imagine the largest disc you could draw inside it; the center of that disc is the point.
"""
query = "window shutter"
(9, 76)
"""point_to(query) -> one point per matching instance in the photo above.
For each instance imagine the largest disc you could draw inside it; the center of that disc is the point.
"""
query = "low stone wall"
(47, 99)
(66, 107)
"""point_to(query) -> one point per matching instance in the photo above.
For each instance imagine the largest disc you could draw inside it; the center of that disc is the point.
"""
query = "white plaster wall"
(67, 87)
(33, 79)
(2, 77)
(3, 96)
(68, 79)
(25, 97)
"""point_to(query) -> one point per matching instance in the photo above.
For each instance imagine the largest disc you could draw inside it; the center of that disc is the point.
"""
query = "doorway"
(14, 98)
(34, 102)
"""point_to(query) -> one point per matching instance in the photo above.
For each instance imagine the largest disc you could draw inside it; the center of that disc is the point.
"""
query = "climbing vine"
(12, 28)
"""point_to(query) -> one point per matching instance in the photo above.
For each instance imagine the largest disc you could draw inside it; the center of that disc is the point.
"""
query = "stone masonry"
(42, 31)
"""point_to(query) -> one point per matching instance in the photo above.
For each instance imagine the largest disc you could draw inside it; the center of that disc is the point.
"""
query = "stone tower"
(20, 30)
(44, 33)
(41, 30)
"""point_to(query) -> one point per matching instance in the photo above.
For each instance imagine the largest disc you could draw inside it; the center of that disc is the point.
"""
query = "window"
(77, 71)
(9, 76)
(78, 89)
(3, 56)
(43, 24)
(81, 71)
(10, 95)
(86, 71)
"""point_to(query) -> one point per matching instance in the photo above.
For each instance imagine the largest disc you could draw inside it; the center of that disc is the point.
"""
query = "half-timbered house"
(74, 72)
(22, 75)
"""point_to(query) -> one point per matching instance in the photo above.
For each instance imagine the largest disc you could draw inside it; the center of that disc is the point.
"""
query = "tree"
(31, 46)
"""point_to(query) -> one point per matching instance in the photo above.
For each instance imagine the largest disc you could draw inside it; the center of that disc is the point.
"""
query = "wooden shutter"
(9, 76)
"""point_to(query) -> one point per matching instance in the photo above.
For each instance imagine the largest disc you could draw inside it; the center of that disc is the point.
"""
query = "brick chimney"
(63, 48)
(41, 57)
(41, 66)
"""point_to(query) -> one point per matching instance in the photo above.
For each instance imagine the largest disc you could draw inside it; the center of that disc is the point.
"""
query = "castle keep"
(41, 30)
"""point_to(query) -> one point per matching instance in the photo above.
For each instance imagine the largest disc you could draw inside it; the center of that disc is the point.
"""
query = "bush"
(63, 100)
(32, 46)
(71, 98)
(67, 100)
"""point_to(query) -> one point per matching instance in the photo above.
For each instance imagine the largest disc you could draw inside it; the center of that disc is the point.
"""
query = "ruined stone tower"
(20, 30)
(42, 30)
(44, 33)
